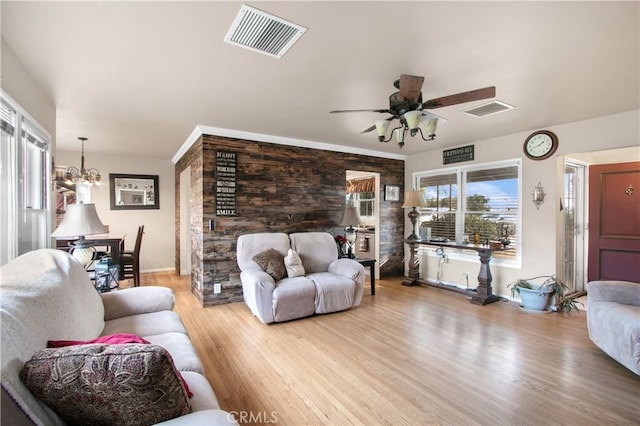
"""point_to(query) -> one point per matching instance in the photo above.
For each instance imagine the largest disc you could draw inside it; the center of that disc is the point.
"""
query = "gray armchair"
(613, 320)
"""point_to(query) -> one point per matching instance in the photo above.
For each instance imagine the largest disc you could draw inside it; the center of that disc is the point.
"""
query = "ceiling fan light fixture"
(399, 133)
(381, 128)
(413, 119)
(407, 107)
(429, 126)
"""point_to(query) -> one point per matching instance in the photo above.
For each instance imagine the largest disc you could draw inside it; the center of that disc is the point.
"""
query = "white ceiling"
(137, 77)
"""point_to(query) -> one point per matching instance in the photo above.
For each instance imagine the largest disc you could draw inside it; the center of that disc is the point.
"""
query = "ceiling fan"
(406, 106)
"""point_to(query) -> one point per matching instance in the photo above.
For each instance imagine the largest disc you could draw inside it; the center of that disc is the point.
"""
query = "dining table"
(114, 242)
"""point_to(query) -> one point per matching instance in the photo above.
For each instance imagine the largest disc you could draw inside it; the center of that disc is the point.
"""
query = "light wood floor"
(408, 356)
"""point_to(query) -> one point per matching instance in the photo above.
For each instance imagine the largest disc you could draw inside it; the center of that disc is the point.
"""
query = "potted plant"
(536, 296)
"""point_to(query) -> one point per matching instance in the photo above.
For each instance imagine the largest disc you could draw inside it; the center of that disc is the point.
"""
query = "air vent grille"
(256, 30)
(489, 108)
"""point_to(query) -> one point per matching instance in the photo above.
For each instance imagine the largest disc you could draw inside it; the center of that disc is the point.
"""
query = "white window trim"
(15, 180)
(468, 256)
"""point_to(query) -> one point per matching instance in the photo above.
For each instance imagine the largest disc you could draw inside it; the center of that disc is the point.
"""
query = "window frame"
(461, 206)
(355, 199)
(26, 184)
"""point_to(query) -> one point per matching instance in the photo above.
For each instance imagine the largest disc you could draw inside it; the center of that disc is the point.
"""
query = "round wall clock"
(540, 145)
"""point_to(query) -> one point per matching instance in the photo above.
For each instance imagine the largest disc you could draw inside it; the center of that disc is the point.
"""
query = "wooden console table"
(482, 296)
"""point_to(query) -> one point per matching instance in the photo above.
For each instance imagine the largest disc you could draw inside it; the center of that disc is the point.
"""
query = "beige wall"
(158, 249)
(20, 86)
(539, 231)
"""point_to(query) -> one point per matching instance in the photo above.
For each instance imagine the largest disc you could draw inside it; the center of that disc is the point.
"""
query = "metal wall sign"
(457, 155)
(225, 183)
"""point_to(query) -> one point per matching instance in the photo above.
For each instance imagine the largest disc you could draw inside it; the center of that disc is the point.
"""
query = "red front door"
(614, 222)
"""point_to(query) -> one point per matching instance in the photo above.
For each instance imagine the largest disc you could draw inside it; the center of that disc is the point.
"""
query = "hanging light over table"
(82, 175)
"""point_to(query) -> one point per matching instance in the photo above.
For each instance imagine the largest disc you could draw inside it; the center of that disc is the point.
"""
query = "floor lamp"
(80, 220)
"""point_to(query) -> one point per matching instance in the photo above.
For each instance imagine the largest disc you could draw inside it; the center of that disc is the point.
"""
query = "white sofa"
(329, 284)
(46, 295)
(613, 320)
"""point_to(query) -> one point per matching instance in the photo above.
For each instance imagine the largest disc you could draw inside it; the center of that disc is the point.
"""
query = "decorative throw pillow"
(272, 262)
(112, 339)
(97, 384)
(293, 263)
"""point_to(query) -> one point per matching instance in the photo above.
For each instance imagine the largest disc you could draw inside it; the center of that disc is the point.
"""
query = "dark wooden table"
(483, 294)
(371, 263)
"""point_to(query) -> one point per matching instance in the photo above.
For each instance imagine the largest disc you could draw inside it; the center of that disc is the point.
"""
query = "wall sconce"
(538, 195)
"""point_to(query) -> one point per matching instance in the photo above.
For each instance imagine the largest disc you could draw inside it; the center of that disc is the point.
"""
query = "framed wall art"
(133, 192)
(392, 193)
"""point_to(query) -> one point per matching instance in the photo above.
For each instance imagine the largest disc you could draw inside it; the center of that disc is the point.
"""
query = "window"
(363, 201)
(25, 173)
(361, 194)
(479, 198)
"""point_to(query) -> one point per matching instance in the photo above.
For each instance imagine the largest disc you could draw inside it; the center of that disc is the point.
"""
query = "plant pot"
(535, 299)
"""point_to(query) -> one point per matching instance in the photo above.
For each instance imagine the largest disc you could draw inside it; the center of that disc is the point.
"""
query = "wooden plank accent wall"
(279, 189)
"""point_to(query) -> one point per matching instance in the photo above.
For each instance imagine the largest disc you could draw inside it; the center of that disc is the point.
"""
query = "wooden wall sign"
(225, 183)
(457, 155)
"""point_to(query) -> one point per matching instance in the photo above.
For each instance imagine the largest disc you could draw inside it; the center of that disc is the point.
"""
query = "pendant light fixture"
(82, 175)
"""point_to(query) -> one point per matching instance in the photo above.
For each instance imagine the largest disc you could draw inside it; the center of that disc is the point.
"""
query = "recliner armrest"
(348, 268)
(257, 291)
(624, 292)
(138, 300)
(259, 278)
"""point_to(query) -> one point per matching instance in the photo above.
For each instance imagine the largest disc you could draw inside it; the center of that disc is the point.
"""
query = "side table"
(371, 263)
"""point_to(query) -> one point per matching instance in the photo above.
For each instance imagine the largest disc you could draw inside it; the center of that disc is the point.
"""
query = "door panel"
(614, 222)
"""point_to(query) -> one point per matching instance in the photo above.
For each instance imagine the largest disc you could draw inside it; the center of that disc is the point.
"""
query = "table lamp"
(80, 220)
(413, 200)
(349, 218)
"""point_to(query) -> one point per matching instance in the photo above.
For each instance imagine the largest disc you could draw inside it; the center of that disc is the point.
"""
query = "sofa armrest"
(137, 300)
(348, 268)
(623, 292)
(257, 291)
(203, 417)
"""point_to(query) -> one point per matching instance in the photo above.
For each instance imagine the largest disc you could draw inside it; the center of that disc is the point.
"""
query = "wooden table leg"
(372, 273)
(484, 293)
(414, 266)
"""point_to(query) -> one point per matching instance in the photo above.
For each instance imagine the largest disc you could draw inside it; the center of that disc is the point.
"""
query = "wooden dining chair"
(130, 260)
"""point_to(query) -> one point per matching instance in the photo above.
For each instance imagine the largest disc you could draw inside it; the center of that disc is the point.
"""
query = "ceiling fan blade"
(369, 129)
(410, 87)
(460, 98)
(359, 110)
(441, 120)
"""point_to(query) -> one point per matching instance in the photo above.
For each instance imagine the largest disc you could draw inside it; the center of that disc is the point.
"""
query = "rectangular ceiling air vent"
(256, 30)
(489, 108)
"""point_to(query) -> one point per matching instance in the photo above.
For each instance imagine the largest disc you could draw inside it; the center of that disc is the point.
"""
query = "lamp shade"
(350, 217)
(430, 125)
(381, 127)
(399, 135)
(413, 119)
(80, 219)
(413, 199)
